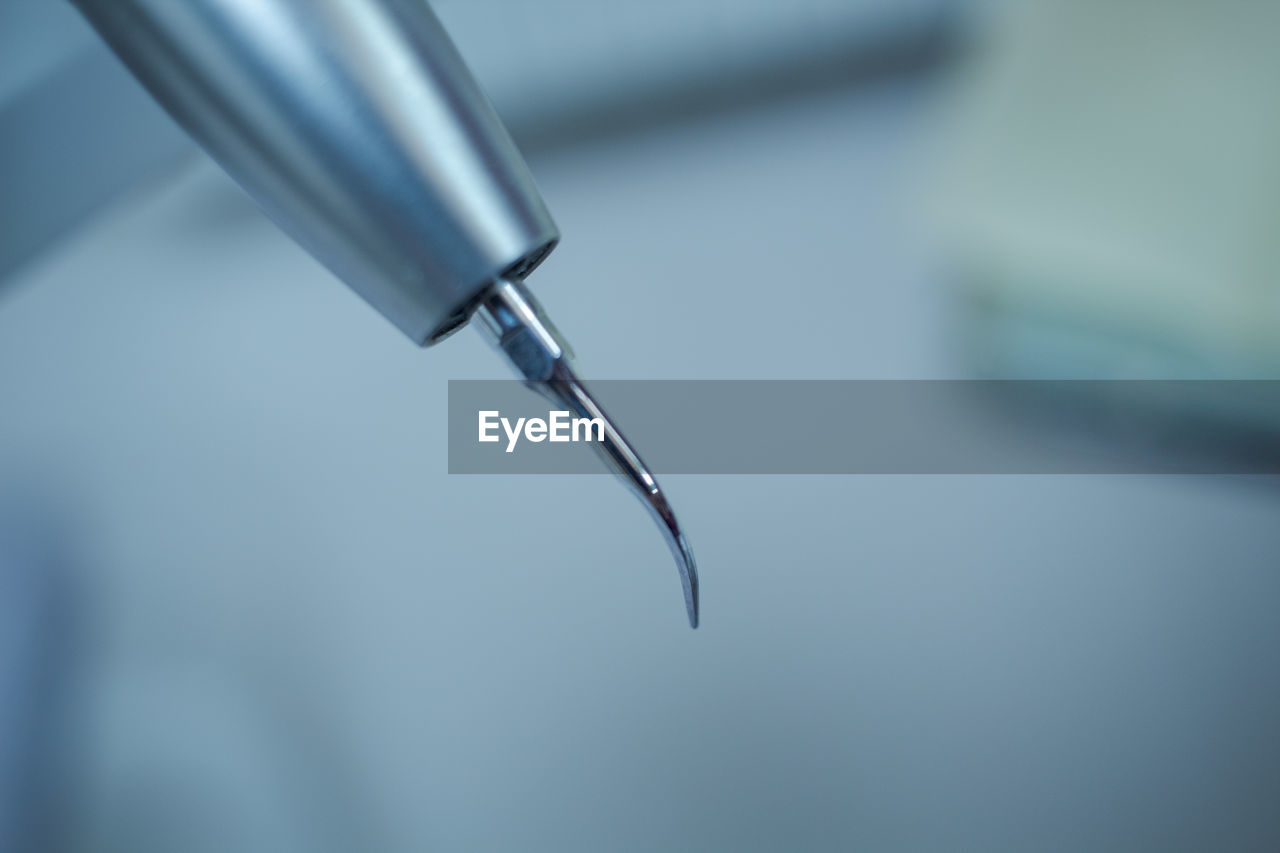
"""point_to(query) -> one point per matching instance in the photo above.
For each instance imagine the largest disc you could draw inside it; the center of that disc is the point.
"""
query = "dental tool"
(360, 131)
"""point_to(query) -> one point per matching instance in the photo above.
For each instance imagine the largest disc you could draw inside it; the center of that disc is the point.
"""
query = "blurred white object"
(1112, 197)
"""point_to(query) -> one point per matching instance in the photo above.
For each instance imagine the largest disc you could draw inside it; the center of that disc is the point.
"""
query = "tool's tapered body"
(358, 129)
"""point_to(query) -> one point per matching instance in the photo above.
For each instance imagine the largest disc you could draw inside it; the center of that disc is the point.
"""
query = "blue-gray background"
(279, 624)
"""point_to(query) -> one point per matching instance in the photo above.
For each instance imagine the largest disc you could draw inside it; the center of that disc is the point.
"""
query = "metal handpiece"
(357, 127)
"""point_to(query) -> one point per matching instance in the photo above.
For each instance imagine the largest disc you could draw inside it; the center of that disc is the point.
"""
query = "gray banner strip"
(881, 427)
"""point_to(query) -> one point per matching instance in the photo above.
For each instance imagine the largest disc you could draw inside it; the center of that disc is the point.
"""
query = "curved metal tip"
(689, 578)
(514, 321)
(630, 468)
(679, 545)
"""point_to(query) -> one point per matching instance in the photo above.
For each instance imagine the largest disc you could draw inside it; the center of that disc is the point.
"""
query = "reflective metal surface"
(514, 321)
(359, 130)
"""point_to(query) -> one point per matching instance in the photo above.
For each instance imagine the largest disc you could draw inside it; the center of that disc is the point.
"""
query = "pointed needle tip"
(688, 578)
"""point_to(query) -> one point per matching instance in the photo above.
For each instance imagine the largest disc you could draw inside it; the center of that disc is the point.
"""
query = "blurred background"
(244, 607)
